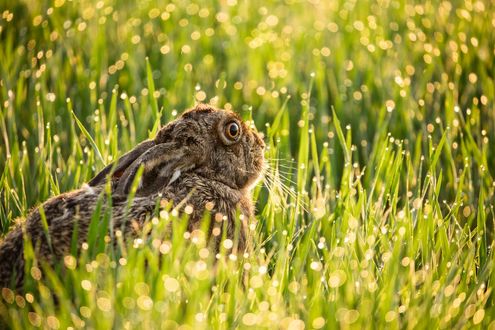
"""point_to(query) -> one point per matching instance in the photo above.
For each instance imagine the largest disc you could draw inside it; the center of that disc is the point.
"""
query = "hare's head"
(212, 143)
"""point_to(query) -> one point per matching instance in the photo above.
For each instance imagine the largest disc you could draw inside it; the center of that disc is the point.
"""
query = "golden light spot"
(473, 78)
(338, 251)
(145, 303)
(484, 99)
(8, 295)
(203, 12)
(154, 13)
(318, 323)
(70, 262)
(250, 319)
(29, 298)
(478, 316)
(36, 273)
(183, 22)
(260, 90)
(37, 20)
(271, 20)
(325, 51)
(294, 287)
(216, 231)
(228, 244)
(256, 282)
(316, 266)
(171, 284)
(104, 304)
(165, 247)
(358, 25)
(195, 35)
(353, 223)
(198, 236)
(209, 32)
(427, 58)
(86, 285)
(337, 278)
(347, 316)
(218, 217)
(469, 311)
(85, 312)
(200, 96)
(52, 322)
(209, 206)
(186, 49)
(390, 105)
(296, 325)
(199, 317)
(34, 319)
(222, 17)
(164, 214)
(82, 26)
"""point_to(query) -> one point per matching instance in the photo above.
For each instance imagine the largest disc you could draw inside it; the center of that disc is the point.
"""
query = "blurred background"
(379, 118)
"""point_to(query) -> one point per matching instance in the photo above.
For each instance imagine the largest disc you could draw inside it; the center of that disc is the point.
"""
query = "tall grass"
(379, 120)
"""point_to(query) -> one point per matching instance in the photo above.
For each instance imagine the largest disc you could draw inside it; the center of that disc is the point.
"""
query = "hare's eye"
(232, 130)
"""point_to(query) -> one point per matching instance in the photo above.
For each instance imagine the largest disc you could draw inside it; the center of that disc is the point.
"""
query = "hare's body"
(64, 214)
(187, 164)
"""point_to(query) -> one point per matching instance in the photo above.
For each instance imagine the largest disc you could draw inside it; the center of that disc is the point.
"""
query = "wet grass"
(379, 116)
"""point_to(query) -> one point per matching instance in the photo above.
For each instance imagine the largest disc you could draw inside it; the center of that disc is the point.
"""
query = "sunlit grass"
(377, 208)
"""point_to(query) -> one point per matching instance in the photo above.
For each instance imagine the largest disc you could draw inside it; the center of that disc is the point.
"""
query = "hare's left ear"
(122, 164)
(117, 169)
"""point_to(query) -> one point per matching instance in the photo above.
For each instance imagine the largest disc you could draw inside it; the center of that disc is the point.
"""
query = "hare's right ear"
(122, 164)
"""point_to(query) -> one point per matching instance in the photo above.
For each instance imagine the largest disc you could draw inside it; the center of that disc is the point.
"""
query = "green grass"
(378, 115)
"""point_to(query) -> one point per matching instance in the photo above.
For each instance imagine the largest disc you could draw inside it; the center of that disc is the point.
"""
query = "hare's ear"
(117, 169)
(162, 164)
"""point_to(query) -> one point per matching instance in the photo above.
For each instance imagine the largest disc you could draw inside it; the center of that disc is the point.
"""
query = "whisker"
(285, 189)
(283, 171)
(288, 191)
(281, 178)
(285, 178)
(274, 179)
(284, 164)
(280, 166)
(292, 160)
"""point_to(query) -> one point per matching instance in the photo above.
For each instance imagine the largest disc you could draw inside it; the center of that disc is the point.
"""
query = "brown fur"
(190, 162)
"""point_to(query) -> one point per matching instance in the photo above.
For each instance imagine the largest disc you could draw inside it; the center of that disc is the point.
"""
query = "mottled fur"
(190, 162)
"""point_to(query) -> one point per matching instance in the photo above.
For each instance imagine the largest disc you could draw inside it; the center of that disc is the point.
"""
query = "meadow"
(379, 117)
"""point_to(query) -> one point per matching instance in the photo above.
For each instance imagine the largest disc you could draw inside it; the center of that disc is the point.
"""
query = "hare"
(208, 159)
